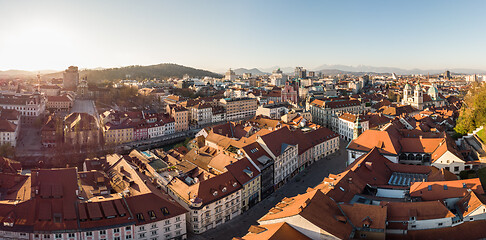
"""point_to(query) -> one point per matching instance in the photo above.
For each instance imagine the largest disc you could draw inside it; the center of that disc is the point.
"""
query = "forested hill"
(160, 71)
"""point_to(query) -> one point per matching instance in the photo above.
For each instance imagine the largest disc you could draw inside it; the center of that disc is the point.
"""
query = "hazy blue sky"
(220, 34)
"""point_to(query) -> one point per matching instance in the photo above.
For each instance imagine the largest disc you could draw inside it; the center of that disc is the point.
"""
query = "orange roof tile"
(430, 191)
(275, 231)
(403, 211)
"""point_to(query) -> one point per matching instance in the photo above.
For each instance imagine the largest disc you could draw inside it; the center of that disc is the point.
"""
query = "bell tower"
(418, 97)
(357, 128)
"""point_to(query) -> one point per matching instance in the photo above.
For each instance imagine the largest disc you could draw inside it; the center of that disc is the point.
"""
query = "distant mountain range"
(359, 70)
(166, 70)
(22, 73)
(161, 71)
(253, 71)
(401, 71)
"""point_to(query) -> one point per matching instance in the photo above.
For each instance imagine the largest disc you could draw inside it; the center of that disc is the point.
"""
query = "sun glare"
(37, 44)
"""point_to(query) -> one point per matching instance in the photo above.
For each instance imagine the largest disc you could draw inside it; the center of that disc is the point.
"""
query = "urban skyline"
(217, 35)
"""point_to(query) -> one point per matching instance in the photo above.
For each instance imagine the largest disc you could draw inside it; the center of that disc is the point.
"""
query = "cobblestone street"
(310, 177)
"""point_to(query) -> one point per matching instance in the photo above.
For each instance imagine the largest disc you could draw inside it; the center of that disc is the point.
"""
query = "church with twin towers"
(421, 99)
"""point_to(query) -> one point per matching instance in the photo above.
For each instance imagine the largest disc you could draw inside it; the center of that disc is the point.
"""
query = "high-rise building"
(278, 78)
(447, 74)
(70, 78)
(300, 72)
(230, 75)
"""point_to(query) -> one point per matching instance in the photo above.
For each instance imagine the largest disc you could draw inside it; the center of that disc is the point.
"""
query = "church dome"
(433, 90)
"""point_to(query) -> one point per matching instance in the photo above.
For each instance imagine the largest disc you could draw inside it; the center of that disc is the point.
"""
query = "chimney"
(369, 165)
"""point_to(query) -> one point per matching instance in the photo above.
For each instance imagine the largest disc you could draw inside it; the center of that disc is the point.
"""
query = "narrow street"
(308, 178)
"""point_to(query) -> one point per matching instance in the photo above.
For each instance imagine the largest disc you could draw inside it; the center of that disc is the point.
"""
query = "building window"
(440, 224)
(89, 234)
(103, 232)
(128, 228)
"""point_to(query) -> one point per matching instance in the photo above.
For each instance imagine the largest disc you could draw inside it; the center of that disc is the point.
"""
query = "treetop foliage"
(473, 111)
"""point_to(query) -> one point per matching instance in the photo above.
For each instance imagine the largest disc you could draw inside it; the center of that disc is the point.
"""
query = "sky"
(217, 35)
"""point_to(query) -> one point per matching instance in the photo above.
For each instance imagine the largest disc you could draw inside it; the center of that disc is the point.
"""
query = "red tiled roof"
(243, 171)
(6, 126)
(275, 231)
(441, 190)
(403, 211)
(386, 142)
(62, 98)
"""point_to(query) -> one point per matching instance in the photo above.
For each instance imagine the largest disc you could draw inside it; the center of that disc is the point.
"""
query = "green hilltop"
(160, 71)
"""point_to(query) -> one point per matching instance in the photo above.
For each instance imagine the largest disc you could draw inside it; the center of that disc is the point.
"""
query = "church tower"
(418, 97)
(357, 128)
(407, 92)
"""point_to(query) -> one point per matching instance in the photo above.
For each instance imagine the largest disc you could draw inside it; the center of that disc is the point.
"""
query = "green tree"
(392, 96)
(6, 150)
(473, 111)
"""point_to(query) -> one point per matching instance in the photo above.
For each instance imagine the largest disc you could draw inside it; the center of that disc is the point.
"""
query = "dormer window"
(57, 217)
(152, 215)
(140, 217)
(165, 211)
(224, 189)
(215, 193)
